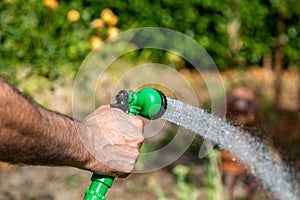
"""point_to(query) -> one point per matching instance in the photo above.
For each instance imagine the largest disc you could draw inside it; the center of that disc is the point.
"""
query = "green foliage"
(203, 20)
(264, 21)
(160, 194)
(44, 40)
(213, 181)
(185, 190)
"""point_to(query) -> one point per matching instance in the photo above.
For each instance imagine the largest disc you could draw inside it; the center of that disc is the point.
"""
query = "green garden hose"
(148, 103)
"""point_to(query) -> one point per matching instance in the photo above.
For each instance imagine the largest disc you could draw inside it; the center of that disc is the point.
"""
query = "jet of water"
(250, 150)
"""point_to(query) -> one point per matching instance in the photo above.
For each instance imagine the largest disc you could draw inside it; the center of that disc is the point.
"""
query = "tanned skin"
(106, 142)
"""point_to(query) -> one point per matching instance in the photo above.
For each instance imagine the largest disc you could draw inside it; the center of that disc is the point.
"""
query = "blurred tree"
(286, 19)
(39, 37)
(270, 29)
(204, 20)
(51, 37)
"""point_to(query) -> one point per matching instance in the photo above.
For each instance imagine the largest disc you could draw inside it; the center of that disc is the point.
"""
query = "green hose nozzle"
(148, 103)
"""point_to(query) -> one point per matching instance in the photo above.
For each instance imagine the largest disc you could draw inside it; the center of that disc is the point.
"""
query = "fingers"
(137, 121)
(117, 137)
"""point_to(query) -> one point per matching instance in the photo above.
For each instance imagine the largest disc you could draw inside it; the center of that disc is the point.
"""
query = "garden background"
(255, 44)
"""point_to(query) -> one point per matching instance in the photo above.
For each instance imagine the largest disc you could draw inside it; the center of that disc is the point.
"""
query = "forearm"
(107, 141)
(33, 135)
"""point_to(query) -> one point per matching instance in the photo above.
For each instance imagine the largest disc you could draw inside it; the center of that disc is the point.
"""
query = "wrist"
(83, 158)
(75, 152)
(80, 155)
(66, 141)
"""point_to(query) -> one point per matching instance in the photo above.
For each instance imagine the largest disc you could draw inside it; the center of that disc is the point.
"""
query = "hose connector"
(148, 102)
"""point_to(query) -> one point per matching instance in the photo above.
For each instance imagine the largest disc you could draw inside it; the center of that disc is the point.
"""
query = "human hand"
(113, 139)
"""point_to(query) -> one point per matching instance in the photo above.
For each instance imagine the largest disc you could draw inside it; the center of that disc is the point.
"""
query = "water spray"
(148, 103)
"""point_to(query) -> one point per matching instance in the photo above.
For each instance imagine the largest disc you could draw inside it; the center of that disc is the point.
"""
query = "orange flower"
(73, 15)
(52, 4)
(106, 13)
(109, 17)
(113, 20)
(113, 33)
(97, 24)
(96, 43)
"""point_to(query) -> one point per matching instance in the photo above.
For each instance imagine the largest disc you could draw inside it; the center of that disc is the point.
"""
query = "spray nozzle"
(148, 102)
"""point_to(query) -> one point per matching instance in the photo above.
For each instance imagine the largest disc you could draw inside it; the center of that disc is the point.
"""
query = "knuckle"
(137, 122)
(140, 122)
(136, 153)
(126, 170)
(141, 140)
(130, 169)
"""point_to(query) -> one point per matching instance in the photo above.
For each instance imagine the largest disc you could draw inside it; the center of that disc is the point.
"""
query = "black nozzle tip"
(121, 101)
